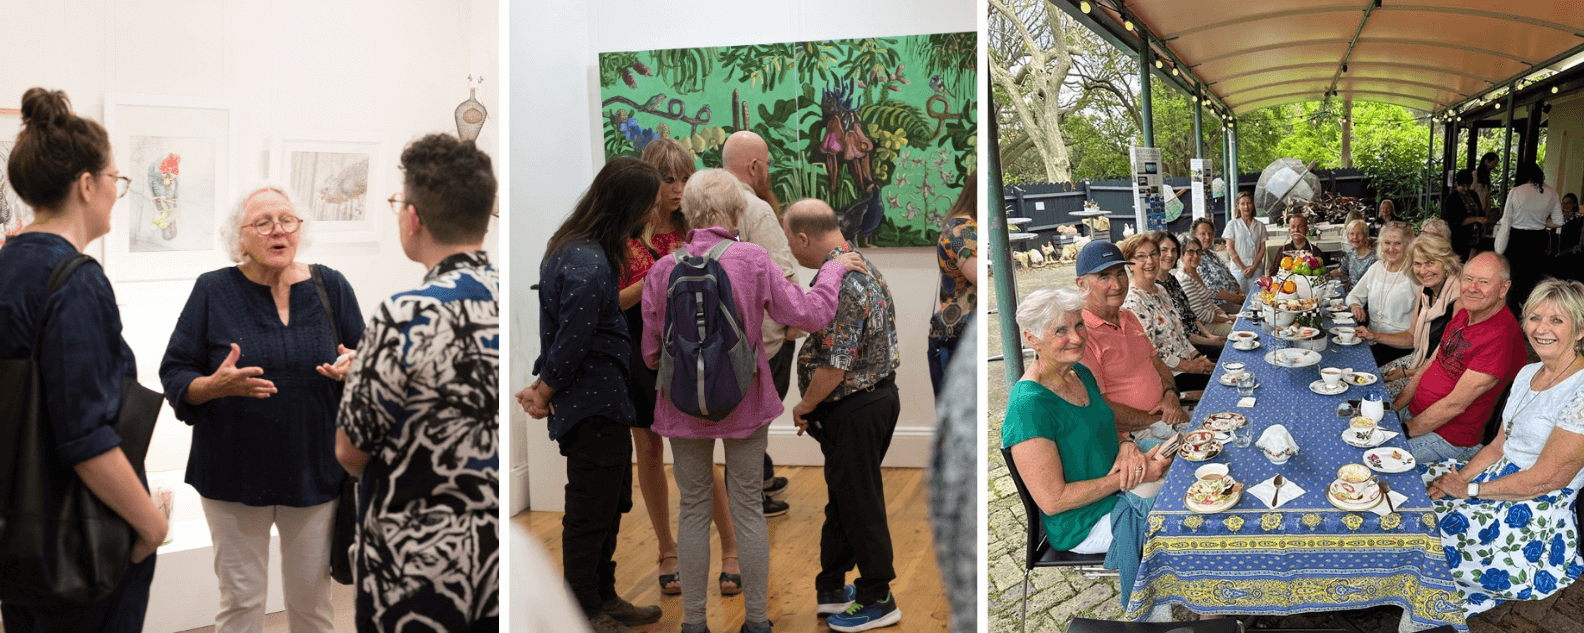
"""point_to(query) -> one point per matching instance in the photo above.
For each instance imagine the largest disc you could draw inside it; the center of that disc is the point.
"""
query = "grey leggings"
(693, 464)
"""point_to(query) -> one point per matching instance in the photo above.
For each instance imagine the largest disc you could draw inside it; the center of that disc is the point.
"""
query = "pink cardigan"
(759, 288)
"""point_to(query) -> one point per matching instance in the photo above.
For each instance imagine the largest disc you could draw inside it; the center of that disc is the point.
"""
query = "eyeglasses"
(123, 184)
(266, 226)
(1193, 251)
(397, 203)
(1146, 255)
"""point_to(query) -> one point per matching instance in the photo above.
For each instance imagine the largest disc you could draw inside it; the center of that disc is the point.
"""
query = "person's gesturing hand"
(338, 370)
(230, 380)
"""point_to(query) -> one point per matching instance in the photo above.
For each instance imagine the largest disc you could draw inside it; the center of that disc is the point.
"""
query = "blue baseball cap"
(1097, 256)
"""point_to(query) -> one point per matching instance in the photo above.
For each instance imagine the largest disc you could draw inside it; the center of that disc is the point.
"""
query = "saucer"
(1209, 455)
(1352, 506)
(1319, 387)
(1361, 378)
(1376, 438)
(1389, 460)
(1224, 504)
(1225, 421)
(1338, 341)
(1253, 346)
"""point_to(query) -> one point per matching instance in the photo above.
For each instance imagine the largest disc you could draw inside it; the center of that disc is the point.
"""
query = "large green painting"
(882, 129)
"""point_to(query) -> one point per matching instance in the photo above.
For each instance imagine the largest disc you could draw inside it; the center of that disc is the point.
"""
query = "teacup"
(1215, 484)
(1362, 427)
(1235, 370)
(1355, 474)
(1332, 376)
(1347, 335)
(1361, 492)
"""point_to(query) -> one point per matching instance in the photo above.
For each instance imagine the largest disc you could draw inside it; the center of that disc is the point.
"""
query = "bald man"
(746, 157)
(847, 372)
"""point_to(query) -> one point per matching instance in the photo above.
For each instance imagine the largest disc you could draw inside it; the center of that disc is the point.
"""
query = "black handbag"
(59, 544)
(342, 537)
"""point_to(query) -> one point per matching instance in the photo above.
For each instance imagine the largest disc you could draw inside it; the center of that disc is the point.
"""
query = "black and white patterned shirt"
(422, 401)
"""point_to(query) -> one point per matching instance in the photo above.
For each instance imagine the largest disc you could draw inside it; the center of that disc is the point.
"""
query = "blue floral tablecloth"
(1307, 555)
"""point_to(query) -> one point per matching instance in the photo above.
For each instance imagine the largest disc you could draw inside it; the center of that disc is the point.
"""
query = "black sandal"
(734, 579)
(666, 580)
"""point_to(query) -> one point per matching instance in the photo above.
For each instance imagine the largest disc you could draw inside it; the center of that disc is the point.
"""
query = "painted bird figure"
(939, 85)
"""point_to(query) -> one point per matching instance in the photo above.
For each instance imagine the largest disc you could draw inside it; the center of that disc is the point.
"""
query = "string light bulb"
(1128, 24)
(1158, 64)
(1174, 71)
(1085, 7)
(1553, 89)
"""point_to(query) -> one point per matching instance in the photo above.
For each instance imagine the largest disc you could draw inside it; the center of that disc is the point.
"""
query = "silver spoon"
(1277, 491)
(1386, 492)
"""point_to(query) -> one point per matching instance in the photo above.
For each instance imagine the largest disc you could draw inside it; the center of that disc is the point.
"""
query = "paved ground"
(1058, 595)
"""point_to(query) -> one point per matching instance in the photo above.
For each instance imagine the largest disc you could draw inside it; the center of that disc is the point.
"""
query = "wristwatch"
(1473, 490)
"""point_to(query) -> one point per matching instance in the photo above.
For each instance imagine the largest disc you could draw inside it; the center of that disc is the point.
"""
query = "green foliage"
(766, 65)
(611, 66)
(815, 59)
(950, 55)
(616, 143)
(890, 234)
(685, 69)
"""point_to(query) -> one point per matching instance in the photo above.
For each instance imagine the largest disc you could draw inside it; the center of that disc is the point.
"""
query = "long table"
(1307, 555)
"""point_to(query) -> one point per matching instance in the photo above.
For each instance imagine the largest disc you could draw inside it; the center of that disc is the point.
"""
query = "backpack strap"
(718, 249)
(324, 299)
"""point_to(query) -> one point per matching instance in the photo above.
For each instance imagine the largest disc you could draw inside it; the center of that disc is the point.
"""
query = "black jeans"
(120, 612)
(854, 434)
(939, 357)
(598, 492)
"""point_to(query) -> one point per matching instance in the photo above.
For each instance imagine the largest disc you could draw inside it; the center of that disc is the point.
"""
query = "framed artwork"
(883, 129)
(330, 177)
(14, 214)
(177, 151)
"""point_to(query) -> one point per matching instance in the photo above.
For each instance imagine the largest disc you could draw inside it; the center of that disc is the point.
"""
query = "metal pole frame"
(1506, 148)
(1198, 123)
(1424, 192)
(1146, 109)
(1001, 260)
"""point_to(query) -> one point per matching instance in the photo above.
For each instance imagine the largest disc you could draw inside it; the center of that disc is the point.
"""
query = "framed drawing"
(177, 151)
(331, 177)
(14, 214)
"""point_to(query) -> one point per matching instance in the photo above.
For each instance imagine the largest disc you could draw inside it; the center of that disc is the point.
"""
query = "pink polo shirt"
(1122, 360)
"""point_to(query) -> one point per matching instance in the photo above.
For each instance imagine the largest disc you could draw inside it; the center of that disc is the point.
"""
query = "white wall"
(554, 61)
(390, 71)
(1564, 161)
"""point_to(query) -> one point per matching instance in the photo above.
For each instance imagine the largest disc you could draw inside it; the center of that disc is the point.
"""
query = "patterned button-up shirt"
(861, 340)
(421, 400)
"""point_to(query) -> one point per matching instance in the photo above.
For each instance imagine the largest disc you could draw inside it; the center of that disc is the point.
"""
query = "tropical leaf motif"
(895, 115)
(685, 69)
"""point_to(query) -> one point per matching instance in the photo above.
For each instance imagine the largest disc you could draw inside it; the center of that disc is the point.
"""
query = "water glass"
(1246, 384)
(1244, 436)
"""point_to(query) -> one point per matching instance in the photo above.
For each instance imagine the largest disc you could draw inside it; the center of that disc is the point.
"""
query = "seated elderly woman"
(1436, 226)
(1436, 273)
(1384, 296)
(1064, 438)
(712, 200)
(1207, 342)
(1507, 521)
(1359, 255)
(1153, 306)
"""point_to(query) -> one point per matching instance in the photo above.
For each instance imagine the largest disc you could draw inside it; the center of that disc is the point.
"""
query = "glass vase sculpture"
(470, 116)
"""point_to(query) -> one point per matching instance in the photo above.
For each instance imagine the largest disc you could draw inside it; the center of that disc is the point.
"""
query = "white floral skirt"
(1507, 550)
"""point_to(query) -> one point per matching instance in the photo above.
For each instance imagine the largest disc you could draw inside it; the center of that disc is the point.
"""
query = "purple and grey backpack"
(706, 362)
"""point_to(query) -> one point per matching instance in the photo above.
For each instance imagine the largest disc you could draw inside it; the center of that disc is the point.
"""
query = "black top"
(1455, 210)
(584, 345)
(82, 357)
(278, 450)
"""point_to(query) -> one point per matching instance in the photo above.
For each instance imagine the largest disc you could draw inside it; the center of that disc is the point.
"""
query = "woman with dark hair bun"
(582, 386)
(62, 166)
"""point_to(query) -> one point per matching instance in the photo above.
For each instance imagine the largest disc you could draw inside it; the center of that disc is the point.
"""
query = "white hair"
(1041, 308)
(231, 229)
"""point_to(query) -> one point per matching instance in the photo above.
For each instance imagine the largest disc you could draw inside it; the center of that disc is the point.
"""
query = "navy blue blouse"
(585, 348)
(278, 450)
(82, 357)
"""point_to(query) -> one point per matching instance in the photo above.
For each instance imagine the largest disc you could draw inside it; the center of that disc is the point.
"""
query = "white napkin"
(1276, 439)
(1343, 320)
(1266, 489)
(1397, 499)
(1246, 403)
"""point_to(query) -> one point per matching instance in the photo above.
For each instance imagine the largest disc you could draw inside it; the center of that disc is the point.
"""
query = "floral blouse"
(1213, 270)
(1180, 303)
(640, 259)
(958, 296)
(1161, 324)
(1354, 267)
(422, 401)
(861, 339)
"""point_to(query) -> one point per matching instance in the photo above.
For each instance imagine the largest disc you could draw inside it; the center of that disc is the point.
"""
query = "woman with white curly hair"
(255, 366)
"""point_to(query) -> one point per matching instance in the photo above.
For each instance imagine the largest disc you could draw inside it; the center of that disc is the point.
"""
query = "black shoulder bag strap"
(342, 536)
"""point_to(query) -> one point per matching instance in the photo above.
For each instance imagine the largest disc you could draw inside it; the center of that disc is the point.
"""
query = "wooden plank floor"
(794, 556)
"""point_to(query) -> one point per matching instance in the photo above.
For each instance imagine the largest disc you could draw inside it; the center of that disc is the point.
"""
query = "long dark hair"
(53, 149)
(620, 197)
(1484, 172)
(1529, 172)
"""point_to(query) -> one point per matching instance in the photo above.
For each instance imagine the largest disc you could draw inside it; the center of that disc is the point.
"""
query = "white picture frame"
(167, 227)
(322, 171)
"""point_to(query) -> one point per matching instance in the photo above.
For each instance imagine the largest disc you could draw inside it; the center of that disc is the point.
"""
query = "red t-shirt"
(640, 260)
(1493, 347)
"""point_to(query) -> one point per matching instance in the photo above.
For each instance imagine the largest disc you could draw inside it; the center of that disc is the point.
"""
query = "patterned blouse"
(958, 296)
(1199, 298)
(1354, 267)
(640, 259)
(1180, 303)
(1161, 324)
(421, 400)
(1216, 275)
(861, 339)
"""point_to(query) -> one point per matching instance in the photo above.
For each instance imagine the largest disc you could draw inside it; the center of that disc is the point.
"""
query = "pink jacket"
(759, 288)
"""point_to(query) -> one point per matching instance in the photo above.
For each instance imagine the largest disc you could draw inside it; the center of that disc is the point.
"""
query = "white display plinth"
(186, 592)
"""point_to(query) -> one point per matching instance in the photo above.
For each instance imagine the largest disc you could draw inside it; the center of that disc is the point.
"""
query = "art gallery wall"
(553, 165)
(386, 71)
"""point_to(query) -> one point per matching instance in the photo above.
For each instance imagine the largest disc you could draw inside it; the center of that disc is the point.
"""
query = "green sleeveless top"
(1085, 438)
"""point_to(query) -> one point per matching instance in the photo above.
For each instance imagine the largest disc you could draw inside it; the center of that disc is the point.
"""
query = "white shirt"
(1530, 207)
(757, 224)
(1532, 415)
(1246, 240)
(1389, 296)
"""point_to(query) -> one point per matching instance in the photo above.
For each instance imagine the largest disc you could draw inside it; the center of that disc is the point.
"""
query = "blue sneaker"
(832, 602)
(858, 617)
